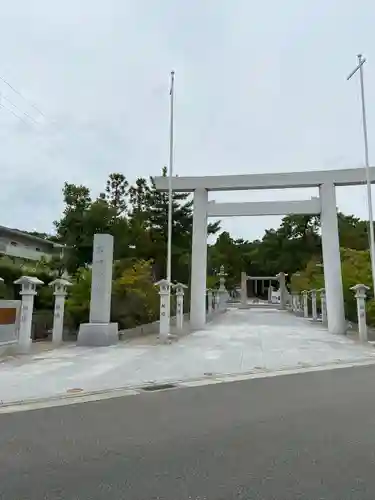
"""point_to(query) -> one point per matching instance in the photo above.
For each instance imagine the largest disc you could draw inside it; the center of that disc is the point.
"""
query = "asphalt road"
(308, 436)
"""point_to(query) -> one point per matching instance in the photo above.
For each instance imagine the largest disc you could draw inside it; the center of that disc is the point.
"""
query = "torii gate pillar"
(331, 260)
(199, 260)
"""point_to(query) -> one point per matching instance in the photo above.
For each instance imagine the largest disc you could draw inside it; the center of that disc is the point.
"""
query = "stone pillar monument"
(100, 331)
(331, 260)
(59, 292)
(28, 292)
(360, 294)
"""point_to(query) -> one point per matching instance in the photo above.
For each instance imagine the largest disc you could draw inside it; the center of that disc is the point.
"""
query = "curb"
(211, 379)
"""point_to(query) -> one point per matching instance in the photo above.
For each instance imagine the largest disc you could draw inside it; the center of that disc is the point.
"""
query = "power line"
(19, 93)
(14, 114)
(23, 112)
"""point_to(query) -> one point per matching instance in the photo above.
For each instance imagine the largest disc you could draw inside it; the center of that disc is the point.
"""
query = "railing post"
(360, 294)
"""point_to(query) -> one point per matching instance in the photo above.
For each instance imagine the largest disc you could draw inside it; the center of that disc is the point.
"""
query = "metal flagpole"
(170, 194)
(361, 61)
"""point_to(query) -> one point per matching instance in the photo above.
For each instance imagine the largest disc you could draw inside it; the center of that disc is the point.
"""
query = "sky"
(260, 87)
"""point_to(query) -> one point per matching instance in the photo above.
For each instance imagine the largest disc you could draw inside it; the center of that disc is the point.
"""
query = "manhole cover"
(75, 389)
(158, 387)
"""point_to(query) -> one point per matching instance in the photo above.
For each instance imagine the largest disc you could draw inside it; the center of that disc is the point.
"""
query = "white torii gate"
(325, 180)
(280, 278)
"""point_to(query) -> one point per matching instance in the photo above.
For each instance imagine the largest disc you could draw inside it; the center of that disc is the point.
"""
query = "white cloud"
(259, 87)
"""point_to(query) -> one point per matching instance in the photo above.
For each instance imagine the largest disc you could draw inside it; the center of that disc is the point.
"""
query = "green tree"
(116, 193)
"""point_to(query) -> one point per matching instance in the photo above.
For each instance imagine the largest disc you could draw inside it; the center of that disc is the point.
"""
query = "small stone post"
(216, 299)
(360, 294)
(60, 290)
(179, 287)
(300, 303)
(243, 288)
(270, 293)
(294, 302)
(28, 292)
(209, 301)
(323, 305)
(283, 297)
(313, 305)
(164, 289)
(223, 293)
(305, 304)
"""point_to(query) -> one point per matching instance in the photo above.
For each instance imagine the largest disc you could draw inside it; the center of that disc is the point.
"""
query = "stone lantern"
(283, 290)
(28, 292)
(360, 294)
(164, 291)
(179, 287)
(59, 291)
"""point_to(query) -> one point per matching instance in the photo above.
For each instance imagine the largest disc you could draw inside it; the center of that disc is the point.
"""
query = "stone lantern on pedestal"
(179, 287)
(28, 292)
(59, 291)
(360, 294)
(164, 324)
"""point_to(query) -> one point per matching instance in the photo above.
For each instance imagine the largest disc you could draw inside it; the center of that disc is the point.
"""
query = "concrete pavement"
(306, 437)
(240, 341)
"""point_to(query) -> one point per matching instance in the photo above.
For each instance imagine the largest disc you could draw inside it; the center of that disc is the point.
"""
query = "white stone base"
(98, 334)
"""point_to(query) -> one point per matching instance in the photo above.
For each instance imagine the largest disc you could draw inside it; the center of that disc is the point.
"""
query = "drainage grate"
(158, 387)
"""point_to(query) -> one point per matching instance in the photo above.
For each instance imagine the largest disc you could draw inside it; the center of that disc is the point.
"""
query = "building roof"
(36, 239)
